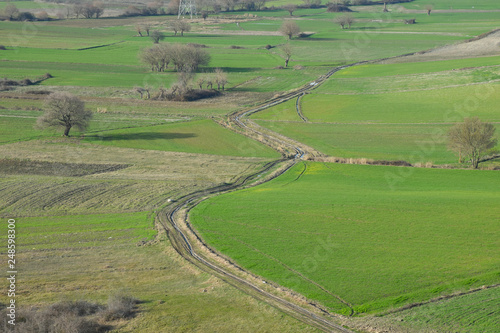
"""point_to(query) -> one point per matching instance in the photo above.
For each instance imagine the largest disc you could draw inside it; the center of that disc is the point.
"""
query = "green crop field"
(375, 237)
(392, 111)
(203, 136)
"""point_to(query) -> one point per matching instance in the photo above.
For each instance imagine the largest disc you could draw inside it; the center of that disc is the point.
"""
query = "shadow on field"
(236, 69)
(139, 136)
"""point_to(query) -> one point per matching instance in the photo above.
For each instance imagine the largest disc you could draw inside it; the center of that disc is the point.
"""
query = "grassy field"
(117, 259)
(204, 137)
(376, 237)
(392, 111)
(454, 314)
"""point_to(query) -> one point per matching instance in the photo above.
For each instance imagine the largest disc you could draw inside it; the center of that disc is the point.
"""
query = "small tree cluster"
(185, 58)
(180, 25)
(90, 10)
(345, 21)
(157, 56)
(151, 9)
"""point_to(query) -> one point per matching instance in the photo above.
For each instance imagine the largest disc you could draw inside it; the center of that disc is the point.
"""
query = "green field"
(392, 111)
(93, 256)
(376, 237)
(203, 137)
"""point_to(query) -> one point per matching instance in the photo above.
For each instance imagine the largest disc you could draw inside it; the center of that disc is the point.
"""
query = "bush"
(337, 8)
(2, 47)
(120, 306)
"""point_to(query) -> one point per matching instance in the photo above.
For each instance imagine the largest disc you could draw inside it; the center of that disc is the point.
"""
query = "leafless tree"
(187, 58)
(290, 8)
(78, 9)
(11, 11)
(200, 82)
(287, 53)
(345, 21)
(289, 28)
(220, 78)
(147, 27)
(156, 36)
(472, 139)
(138, 28)
(66, 111)
(180, 25)
(428, 8)
(158, 57)
(184, 26)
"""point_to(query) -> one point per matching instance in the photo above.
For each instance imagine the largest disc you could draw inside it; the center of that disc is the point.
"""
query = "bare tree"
(187, 58)
(66, 111)
(428, 8)
(290, 29)
(11, 11)
(138, 28)
(158, 57)
(220, 78)
(200, 82)
(345, 21)
(156, 36)
(472, 139)
(290, 8)
(183, 26)
(287, 53)
(147, 27)
(78, 9)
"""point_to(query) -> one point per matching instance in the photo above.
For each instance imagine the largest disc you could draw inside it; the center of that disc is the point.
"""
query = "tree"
(187, 58)
(287, 52)
(471, 140)
(11, 11)
(180, 25)
(345, 21)
(428, 8)
(64, 110)
(156, 36)
(290, 29)
(290, 8)
(158, 57)
(220, 78)
(138, 28)
(147, 27)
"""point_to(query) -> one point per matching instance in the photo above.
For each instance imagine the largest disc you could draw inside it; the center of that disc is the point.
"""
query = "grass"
(203, 136)
(474, 313)
(90, 257)
(393, 111)
(353, 230)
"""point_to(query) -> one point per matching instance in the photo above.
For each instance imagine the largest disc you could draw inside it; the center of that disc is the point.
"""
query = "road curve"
(178, 235)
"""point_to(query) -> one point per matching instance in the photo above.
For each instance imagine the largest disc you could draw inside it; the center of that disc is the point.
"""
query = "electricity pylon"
(187, 6)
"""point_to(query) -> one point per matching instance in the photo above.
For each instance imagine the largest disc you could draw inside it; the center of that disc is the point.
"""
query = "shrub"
(2, 47)
(120, 306)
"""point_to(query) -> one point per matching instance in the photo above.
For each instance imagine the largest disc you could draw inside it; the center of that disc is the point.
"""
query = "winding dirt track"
(178, 233)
